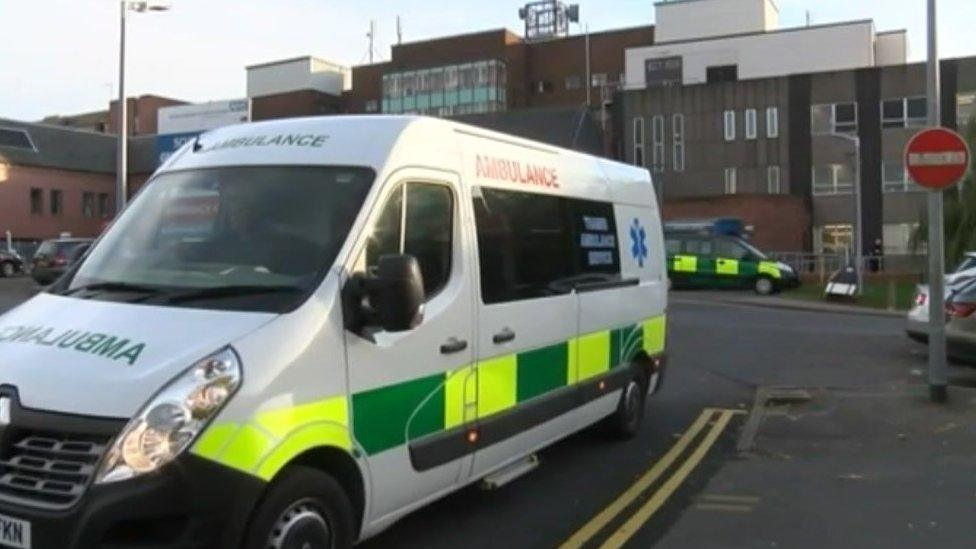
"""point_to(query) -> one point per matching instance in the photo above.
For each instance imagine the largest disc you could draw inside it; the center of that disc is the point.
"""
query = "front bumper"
(789, 281)
(192, 503)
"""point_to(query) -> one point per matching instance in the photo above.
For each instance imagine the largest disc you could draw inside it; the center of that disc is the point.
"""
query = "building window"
(833, 118)
(574, 82)
(678, 126)
(663, 73)
(598, 80)
(639, 142)
(833, 239)
(772, 122)
(723, 73)
(476, 87)
(773, 180)
(752, 131)
(372, 106)
(56, 202)
(898, 238)
(543, 86)
(103, 205)
(965, 108)
(910, 112)
(657, 149)
(730, 180)
(730, 125)
(36, 202)
(895, 179)
(88, 205)
(830, 179)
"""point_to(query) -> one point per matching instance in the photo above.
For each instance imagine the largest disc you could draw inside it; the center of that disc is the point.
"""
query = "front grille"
(48, 470)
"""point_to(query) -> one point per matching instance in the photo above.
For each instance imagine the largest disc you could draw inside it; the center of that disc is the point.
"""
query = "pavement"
(775, 428)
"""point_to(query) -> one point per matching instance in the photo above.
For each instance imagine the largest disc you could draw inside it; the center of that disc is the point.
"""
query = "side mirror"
(391, 299)
(397, 293)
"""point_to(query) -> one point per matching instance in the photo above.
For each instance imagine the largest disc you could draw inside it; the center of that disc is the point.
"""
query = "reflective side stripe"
(214, 439)
(727, 267)
(497, 384)
(770, 269)
(685, 264)
(654, 334)
(572, 361)
(304, 439)
(282, 422)
(459, 392)
(594, 354)
(266, 444)
(247, 449)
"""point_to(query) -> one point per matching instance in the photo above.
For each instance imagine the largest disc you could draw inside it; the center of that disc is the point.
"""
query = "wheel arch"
(341, 466)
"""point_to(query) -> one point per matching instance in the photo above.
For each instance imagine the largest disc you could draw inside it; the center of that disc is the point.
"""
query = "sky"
(61, 56)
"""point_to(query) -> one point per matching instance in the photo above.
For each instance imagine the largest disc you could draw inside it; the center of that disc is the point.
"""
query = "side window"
(673, 246)
(699, 246)
(595, 239)
(730, 249)
(534, 245)
(524, 244)
(418, 219)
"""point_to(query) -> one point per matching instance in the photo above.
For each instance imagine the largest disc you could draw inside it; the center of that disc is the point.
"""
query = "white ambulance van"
(300, 331)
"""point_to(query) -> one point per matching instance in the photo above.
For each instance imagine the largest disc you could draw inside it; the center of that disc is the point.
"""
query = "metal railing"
(824, 265)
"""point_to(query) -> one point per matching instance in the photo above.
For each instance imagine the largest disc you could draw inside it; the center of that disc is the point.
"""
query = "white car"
(959, 335)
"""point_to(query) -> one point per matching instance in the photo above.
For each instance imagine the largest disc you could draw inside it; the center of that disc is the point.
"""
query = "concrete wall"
(891, 48)
(143, 113)
(802, 50)
(305, 73)
(690, 19)
(16, 183)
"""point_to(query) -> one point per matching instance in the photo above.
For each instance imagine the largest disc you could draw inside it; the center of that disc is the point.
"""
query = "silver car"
(961, 323)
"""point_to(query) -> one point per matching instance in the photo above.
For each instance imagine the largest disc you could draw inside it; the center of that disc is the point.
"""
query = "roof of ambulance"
(351, 140)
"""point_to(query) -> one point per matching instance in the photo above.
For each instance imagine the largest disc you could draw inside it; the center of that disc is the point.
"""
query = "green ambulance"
(715, 254)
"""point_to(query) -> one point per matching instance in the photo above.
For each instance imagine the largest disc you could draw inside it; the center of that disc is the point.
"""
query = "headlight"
(172, 419)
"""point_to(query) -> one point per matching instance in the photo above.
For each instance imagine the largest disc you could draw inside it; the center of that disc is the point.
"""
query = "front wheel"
(304, 509)
(765, 286)
(626, 422)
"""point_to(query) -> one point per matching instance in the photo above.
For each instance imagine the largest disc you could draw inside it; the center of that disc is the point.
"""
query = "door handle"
(453, 345)
(503, 336)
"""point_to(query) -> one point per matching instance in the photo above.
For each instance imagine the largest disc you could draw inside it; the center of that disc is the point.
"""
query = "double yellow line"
(719, 420)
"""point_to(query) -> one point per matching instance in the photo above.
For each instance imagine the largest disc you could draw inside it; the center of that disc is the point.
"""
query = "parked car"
(55, 256)
(10, 263)
(961, 326)
(917, 319)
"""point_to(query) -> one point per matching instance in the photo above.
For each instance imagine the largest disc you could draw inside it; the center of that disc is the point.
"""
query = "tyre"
(7, 269)
(626, 422)
(764, 286)
(304, 509)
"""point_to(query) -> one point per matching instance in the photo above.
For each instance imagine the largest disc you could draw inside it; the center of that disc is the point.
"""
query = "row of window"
(752, 124)
(445, 90)
(536, 245)
(657, 143)
(898, 238)
(774, 184)
(903, 112)
(575, 82)
(831, 179)
(89, 206)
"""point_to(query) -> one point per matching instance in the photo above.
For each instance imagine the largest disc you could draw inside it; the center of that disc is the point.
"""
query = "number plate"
(15, 533)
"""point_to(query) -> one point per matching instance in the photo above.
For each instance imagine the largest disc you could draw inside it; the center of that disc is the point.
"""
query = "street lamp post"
(122, 156)
(858, 221)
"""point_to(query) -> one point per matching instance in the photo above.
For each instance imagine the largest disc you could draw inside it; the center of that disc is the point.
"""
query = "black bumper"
(789, 282)
(192, 503)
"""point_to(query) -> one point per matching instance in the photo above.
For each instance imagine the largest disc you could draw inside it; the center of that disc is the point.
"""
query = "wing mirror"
(391, 299)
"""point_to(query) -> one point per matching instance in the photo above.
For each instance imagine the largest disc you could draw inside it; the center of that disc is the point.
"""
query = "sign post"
(937, 158)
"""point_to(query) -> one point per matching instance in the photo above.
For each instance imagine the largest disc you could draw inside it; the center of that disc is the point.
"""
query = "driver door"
(408, 387)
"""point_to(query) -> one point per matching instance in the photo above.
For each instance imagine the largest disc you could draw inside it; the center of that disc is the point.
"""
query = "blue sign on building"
(166, 145)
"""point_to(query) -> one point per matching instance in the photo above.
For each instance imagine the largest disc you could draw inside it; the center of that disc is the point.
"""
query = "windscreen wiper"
(113, 287)
(228, 291)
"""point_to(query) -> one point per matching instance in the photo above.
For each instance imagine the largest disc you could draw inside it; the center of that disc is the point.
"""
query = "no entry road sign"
(937, 158)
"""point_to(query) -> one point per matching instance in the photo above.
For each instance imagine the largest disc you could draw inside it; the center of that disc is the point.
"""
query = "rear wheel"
(764, 286)
(7, 269)
(305, 509)
(626, 422)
